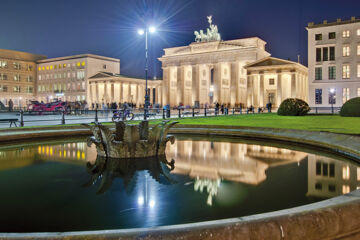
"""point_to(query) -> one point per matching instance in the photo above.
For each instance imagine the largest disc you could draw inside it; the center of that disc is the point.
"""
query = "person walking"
(222, 109)
(11, 105)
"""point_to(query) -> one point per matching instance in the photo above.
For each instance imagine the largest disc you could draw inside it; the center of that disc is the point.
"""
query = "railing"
(76, 116)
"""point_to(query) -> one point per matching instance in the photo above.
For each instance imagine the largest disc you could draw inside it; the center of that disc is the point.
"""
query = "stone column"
(180, 84)
(165, 90)
(121, 88)
(217, 83)
(261, 96)
(195, 84)
(234, 83)
(112, 92)
(278, 90)
(293, 85)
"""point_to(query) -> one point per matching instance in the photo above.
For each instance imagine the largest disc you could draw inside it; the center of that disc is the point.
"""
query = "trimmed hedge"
(293, 107)
(351, 108)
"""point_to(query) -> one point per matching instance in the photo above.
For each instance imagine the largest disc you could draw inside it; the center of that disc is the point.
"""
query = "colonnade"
(109, 91)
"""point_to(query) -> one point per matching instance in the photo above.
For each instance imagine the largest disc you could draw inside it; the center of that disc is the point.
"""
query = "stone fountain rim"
(306, 219)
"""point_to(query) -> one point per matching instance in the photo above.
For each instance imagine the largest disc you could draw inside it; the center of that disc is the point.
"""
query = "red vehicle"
(56, 106)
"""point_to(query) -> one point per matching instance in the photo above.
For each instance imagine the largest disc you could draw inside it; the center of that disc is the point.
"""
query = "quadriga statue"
(131, 141)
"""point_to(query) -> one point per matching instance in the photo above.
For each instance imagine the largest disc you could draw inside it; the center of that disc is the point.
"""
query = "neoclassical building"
(274, 80)
(209, 72)
(107, 87)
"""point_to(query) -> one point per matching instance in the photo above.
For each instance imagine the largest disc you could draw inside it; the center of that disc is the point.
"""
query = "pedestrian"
(11, 105)
(222, 109)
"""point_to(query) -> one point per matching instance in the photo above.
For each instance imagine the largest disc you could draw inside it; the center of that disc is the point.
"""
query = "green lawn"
(329, 123)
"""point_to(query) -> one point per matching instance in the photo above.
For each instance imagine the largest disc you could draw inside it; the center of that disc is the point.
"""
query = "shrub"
(351, 108)
(293, 107)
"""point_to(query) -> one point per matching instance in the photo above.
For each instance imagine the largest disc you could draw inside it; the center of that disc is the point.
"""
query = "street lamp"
(332, 91)
(147, 98)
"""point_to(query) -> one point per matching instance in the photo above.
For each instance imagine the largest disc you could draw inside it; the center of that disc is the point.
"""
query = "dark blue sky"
(109, 27)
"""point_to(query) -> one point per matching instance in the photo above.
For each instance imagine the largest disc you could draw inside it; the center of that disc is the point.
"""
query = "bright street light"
(147, 97)
(152, 29)
(141, 31)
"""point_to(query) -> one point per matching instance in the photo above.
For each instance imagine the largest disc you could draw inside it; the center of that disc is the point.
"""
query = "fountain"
(108, 169)
(131, 141)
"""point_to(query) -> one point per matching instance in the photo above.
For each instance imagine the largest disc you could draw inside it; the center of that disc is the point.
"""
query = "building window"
(346, 173)
(325, 54)
(332, 188)
(318, 186)
(332, 35)
(318, 54)
(29, 79)
(346, 71)
(318, 37)
(318, 73)
(29, 89)
(358, 32)
(358, 70)
(332, 170)
(345, 189)
(3, 76)
(332, 53)
(17, 89)
(271, 81)
(332, 72)
(332, 96)
(17, 66)
(3, 88)
(346, 34)
(80, 75)
(346, 51)
(3, 64)
(104, 66)
(318, 96)
(358, 49)
(346, 94)
(17, 77)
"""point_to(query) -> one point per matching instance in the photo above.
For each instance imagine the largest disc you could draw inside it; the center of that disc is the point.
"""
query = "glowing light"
(140, 201)
(332, 90)
(152, 204)
(211, 88)
(141, 31)
(152, 29)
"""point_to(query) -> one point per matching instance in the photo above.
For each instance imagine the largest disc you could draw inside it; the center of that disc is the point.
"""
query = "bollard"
(163, 113)
(240, 110)
(205, 111)
(193, 112)
(63, 117)
(179, 112)
(21, 118)
(233, 111)
(96, 116)
(216, 111)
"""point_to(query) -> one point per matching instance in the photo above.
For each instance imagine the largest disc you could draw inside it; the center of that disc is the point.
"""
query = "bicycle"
(122, 115)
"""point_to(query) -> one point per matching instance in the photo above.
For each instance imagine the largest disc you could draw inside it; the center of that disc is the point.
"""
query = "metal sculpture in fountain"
(131, 141)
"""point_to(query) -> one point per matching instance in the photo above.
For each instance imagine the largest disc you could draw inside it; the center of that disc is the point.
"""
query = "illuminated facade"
(106, 88)
(17, 76)
(66, 78)
(209, 72)
(334, 62)
(272, 80)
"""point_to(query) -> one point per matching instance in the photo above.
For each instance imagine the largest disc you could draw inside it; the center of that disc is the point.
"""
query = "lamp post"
(332, 91)
(147, 98)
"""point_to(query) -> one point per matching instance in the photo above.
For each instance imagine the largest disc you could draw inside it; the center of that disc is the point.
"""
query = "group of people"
(112, 106)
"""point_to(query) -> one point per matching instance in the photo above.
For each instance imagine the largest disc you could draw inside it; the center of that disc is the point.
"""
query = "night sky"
(109, 27)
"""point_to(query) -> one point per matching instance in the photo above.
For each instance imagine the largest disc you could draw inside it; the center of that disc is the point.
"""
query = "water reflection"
(107, 169)
(210, 163)
(328, 177)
